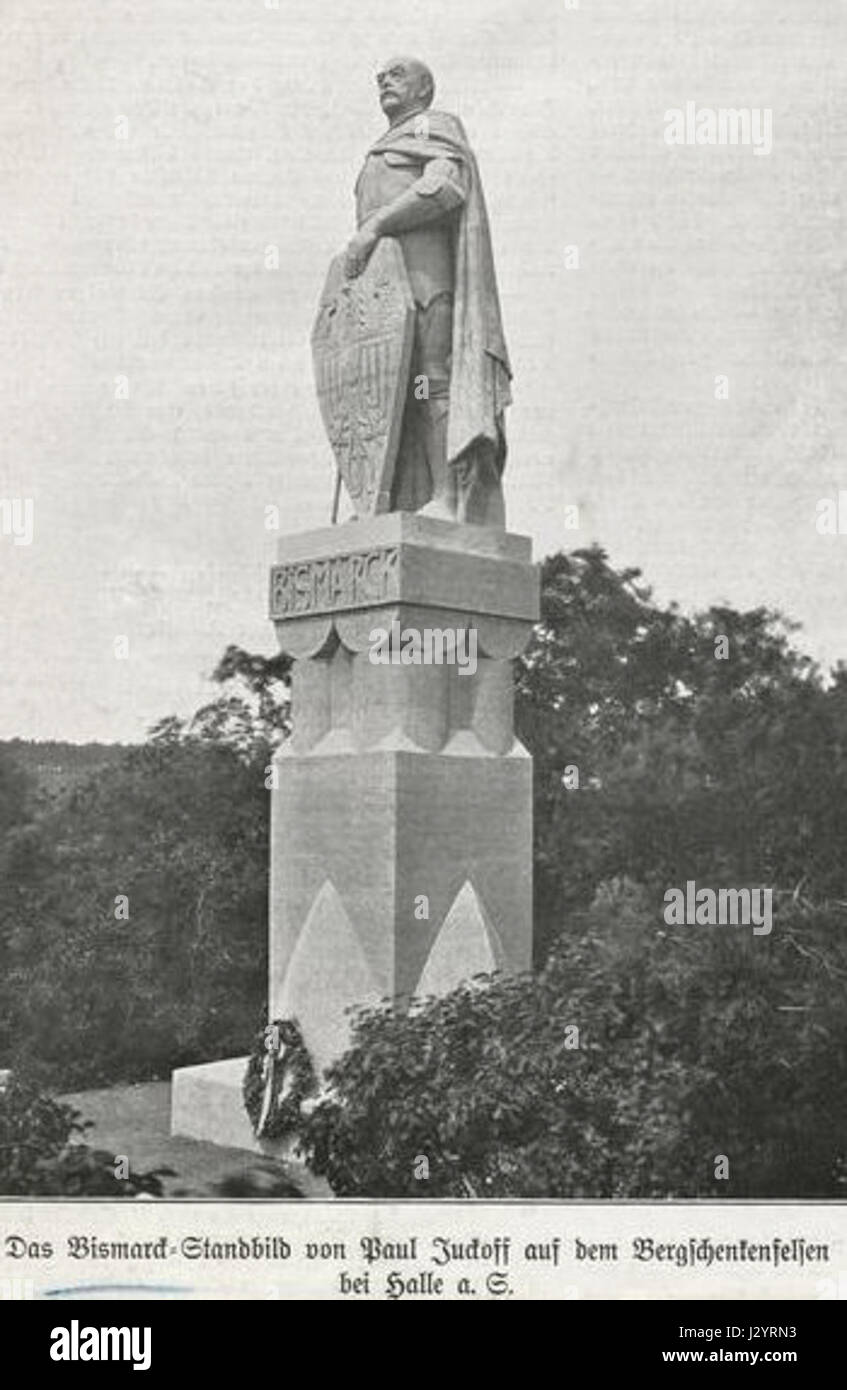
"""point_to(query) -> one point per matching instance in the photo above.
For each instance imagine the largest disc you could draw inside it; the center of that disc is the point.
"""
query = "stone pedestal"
(401, 819)
(401, 825)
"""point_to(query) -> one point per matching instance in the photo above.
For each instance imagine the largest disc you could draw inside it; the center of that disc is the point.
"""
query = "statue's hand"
(359, 250)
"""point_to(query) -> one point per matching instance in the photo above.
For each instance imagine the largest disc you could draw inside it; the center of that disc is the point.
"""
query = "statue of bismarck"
(420, 185)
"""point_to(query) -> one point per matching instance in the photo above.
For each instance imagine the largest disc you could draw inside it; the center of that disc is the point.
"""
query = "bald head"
(405, 85)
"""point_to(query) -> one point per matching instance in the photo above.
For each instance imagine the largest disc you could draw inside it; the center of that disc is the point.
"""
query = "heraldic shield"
(361, 350)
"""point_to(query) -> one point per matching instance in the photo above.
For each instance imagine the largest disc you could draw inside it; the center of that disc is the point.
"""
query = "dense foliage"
(179, 831)
(691, 765)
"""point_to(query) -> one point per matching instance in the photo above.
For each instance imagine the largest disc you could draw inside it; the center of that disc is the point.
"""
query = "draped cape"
(480, 371)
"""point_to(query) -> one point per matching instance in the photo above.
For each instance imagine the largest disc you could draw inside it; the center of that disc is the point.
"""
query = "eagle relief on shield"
(362, 349)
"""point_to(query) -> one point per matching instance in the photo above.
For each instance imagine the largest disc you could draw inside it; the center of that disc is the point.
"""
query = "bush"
(693, 1042)
(39, 1156)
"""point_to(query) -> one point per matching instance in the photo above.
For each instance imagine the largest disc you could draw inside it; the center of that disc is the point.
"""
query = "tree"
(688, 763)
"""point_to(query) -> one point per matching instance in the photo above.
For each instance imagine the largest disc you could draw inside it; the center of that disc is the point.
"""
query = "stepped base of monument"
(207, 1104)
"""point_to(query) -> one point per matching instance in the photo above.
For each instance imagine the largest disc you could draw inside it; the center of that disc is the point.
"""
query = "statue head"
(405, 85)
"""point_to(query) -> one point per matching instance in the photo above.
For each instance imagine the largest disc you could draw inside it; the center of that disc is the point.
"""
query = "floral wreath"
(279, 1078)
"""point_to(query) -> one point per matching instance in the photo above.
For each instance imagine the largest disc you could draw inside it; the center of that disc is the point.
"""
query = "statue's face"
(401, 84)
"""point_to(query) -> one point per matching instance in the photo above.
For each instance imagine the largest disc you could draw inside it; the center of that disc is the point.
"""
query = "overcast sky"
(145, 257)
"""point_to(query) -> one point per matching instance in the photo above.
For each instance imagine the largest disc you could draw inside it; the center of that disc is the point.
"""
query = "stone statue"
(420, 185)
(407, 774)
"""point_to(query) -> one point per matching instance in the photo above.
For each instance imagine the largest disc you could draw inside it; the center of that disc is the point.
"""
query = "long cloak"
(480, 371)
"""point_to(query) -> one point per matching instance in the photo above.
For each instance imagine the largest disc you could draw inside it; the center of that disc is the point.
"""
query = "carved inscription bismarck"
(342, 581)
